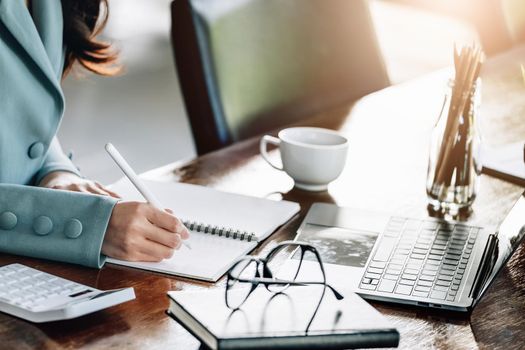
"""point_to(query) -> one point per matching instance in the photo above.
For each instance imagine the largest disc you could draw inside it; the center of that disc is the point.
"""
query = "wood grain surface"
(386, 170)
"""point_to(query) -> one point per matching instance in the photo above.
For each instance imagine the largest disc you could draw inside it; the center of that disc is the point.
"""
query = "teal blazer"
(38, 222)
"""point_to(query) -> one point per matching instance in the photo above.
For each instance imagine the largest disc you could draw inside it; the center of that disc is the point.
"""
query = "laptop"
(426, 262)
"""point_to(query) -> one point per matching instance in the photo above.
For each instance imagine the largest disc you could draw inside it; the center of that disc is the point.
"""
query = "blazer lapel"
(47, 15)
(18, 21)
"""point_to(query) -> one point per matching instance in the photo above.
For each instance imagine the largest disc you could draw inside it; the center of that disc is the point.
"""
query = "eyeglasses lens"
(237, 290)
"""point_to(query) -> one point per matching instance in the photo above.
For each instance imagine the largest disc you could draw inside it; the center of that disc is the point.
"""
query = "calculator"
(37, 296)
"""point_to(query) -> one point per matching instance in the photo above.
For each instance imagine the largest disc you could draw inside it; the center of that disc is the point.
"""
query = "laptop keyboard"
(420, 258)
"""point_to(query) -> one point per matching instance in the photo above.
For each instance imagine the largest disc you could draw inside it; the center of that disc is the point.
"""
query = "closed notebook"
(505, 162)
(223, 226)
(282, 321)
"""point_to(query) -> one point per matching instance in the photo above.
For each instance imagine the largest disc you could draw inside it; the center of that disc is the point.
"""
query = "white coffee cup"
(313, 157)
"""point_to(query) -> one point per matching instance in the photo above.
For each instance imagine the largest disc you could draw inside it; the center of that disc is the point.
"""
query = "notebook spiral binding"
(220, 231)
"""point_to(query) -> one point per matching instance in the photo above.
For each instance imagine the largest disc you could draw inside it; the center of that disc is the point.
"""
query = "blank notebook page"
(210, 256)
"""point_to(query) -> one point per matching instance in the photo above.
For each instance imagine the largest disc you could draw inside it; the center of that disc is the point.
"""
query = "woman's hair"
(83, 21)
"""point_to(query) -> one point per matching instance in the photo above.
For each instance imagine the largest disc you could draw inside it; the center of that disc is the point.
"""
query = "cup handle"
(265, 140)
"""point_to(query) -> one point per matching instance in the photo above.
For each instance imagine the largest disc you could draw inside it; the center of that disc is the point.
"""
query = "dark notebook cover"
(301, 317)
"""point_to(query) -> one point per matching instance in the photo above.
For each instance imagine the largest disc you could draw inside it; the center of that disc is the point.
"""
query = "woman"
(47, 210)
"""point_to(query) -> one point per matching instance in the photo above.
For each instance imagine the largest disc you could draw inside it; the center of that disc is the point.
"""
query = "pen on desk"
(132, 176)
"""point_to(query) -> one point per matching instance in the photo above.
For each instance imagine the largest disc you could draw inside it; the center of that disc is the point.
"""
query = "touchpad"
(338, 245)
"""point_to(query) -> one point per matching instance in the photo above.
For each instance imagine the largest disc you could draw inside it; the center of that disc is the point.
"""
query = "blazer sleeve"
(52, 224)
(55, 160)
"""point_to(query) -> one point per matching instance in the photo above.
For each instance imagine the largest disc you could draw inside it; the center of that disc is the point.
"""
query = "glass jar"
(454, 162)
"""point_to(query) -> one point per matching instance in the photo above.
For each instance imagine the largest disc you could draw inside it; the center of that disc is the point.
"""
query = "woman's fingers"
(140, 232)
(168, 222)
(184, 233)
(108, 191)
(155, 251)
(96, 190)
(164, 237)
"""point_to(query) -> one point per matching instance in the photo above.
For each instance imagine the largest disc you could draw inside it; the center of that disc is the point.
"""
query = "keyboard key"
(375, 270)
(403, 289)
(393, 272)
(456, 246)
(404, 245)
(395, 266)
(422, 246)
(417, 256)
(413, 266)
(454, 287)
(437, 294)
(417, 262)
(426, 278)
(441, 242)
(366, 281)
(450, 298)
(420, 251)
(429, 272)
(452, 292)
(408, 276)
(451, 256)
(377, 264)
(420, 294)
(422, 240)
(445, 278)
(435, 257)
(374, 282)
(431, 267)
(401, 252)
(422, 288)
(398, 261)
(407, 282)
(367, 286)
(440, 288)
(386, 286)
(446, 273)
(391, 277)
(372, 275)
(412, 271)
(443, 283)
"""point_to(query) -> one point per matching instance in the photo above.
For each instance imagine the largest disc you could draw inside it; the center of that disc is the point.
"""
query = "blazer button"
(42, 225)
(73, 228)
(8, 221)
(36, 150)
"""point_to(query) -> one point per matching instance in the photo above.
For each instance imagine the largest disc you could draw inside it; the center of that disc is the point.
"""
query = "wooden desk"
(389, 132)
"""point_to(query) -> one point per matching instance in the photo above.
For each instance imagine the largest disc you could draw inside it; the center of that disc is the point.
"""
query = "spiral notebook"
(223, 226)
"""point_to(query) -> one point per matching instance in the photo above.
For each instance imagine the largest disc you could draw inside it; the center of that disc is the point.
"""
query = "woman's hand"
(140, 232)
(64, 180)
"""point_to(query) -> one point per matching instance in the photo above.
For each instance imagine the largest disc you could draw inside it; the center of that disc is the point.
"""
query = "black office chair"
(248, 66)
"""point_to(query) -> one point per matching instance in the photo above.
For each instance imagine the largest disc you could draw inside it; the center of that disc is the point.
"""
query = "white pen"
(132, 176)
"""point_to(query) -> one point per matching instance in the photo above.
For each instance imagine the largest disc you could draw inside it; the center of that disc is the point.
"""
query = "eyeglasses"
(250, 272)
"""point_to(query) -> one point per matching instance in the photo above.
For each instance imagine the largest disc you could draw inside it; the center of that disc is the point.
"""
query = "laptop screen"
(510, 235)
